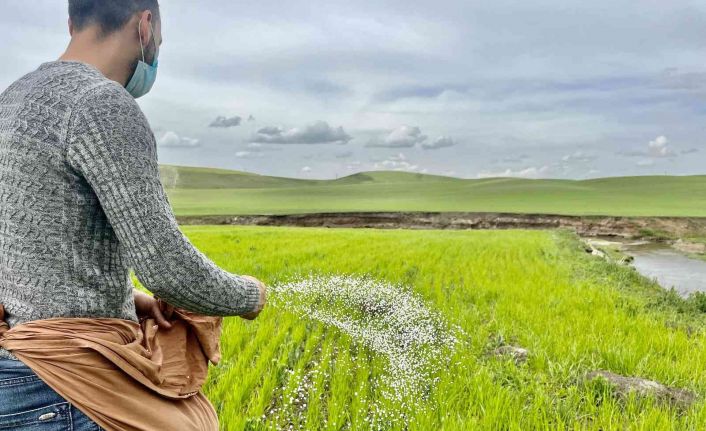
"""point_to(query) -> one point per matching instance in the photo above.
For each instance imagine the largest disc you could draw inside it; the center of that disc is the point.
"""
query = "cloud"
(224, 122)
(344, 155)
(257, 147)
(440, 142)
(632, 153)
(689, 151)
(369, 66)
(396, 163)
(530, 172)
(251, 118)
(248, 155)
(355, 164)
(402, 137)
(306, 169)
(514, 159)
(645, 163)
(659, 147)
(317, 133)
(578, 156)
(417, 91)
(171, 139)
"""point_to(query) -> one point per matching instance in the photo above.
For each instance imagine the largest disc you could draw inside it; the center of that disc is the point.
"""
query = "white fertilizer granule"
(389, 320)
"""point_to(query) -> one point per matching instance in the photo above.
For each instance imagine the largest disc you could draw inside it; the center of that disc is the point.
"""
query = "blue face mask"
(145, 74)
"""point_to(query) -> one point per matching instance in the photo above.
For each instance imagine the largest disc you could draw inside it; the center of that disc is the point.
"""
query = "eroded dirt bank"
(627, 227)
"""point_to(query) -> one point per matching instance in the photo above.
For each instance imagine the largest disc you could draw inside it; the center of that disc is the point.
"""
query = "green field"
(206, 191)
(536, 289)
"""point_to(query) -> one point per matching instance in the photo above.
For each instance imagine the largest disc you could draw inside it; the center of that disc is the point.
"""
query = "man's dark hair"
(109, 15)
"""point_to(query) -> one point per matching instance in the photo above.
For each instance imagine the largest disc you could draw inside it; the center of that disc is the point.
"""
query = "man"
(80, 194)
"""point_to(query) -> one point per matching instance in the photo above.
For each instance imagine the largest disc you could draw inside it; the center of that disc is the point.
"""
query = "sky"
(466, 88)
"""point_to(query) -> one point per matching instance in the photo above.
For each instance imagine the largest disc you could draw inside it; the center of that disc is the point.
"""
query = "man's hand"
(147, 306)
(261, 303)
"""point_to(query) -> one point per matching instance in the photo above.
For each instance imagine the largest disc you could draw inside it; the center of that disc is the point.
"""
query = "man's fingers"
(169, 310)
(159, 317)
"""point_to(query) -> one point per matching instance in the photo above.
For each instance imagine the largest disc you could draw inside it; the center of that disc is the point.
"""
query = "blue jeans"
(27, 403)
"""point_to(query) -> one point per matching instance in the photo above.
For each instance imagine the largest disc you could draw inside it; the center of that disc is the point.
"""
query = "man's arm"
(109, 142)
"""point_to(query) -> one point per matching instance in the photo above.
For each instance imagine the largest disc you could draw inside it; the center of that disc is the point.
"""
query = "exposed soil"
(690, 247)
(626, 227)
(518, 354)
(623, 386)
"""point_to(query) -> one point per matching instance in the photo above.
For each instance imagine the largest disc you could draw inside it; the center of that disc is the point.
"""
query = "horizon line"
(433, 175)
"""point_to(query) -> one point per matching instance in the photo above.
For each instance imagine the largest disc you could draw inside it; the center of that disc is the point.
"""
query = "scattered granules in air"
(415, 342)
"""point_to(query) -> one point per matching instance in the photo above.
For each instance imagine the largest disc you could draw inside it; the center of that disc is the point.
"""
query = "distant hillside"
(189, 177)
(203, 191)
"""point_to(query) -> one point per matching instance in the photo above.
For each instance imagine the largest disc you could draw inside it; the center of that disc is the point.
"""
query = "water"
(668, 266)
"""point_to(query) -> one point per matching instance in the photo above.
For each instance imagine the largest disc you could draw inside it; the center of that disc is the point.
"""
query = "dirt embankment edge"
(627, 227)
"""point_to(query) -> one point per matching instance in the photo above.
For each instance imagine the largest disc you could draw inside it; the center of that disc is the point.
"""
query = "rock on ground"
(624, 385)
(518, 354)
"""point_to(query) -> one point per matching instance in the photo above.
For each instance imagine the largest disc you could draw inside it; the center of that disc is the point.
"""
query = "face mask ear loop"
(155, 43)
(139, 31)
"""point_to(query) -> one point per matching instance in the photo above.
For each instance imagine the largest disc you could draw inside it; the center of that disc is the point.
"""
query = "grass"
(206, 191)
(536, 289)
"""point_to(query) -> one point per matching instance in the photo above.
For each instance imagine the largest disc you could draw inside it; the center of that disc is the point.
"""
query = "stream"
(670, 267)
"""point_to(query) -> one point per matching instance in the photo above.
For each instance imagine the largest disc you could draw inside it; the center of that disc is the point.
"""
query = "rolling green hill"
(208, 191)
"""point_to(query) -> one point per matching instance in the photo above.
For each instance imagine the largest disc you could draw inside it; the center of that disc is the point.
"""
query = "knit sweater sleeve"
(109, 142)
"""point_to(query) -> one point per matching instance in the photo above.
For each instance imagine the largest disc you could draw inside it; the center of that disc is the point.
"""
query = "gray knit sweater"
(81, 203)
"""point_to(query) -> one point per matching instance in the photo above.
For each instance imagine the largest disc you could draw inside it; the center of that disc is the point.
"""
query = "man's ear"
(145, 20)
(71, 27)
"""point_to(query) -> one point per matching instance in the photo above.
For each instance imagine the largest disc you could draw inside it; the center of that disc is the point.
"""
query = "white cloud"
(659, 147)
(645, 163)
(578, 156)
(512, 159)
(317, 133)
(172, 139)
(440, 142)
(248, 155)
(306, 169)
(402, 137)
(256, 147)
(224, 122)
(396, 163)
(356, 164)
(530, 172)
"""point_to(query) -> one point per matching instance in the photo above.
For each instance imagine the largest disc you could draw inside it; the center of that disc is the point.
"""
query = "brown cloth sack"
(121, 374)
